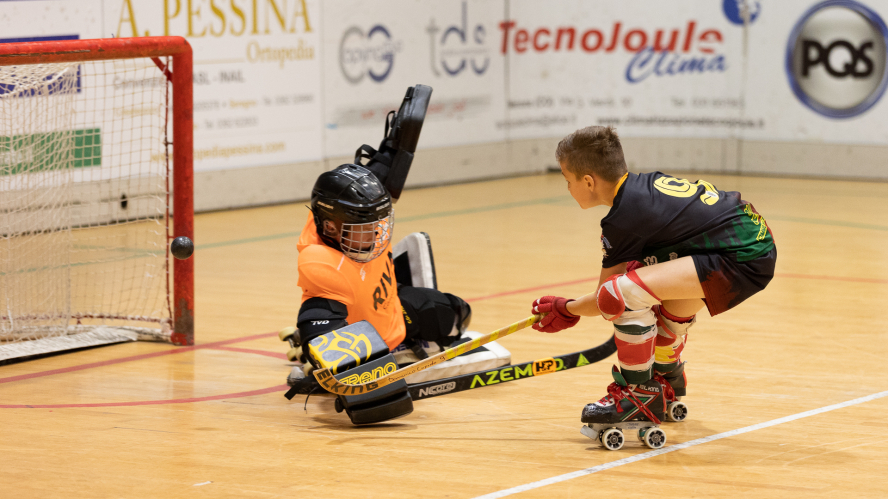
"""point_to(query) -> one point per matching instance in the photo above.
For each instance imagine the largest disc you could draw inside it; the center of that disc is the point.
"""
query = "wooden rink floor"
(154, 420)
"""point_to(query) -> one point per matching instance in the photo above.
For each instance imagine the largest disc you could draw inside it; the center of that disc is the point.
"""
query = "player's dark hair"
(594, 149)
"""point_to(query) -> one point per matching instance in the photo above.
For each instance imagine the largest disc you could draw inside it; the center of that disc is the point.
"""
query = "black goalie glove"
(391, 162)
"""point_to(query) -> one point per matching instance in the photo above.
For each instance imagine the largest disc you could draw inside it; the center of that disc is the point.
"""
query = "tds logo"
(458, 47)
(371, 54)
(836, 58)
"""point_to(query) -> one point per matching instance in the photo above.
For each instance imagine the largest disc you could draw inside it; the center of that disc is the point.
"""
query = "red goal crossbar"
(13, 54)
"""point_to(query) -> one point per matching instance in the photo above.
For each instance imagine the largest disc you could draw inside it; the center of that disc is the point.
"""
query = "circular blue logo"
(837, 58)
(738, 10)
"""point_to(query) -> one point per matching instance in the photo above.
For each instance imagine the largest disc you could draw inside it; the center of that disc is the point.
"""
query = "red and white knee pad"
(626, 301)
(622, 292)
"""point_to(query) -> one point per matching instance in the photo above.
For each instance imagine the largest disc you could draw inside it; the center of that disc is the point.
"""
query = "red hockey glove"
(557, 317)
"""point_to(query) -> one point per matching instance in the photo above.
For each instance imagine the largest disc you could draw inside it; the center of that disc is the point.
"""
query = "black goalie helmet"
(353, 212)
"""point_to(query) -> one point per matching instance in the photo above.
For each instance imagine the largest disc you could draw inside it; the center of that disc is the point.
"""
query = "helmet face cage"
(353, 212)
(363, 242)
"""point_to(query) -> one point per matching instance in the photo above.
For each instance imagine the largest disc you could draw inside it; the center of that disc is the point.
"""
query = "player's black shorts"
(428, 314)
(727, 282)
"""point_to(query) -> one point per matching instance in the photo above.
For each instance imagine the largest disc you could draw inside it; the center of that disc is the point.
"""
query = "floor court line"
(672, 448)
(595, 279)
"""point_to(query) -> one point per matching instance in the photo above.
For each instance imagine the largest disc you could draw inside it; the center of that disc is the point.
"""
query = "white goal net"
(84, 205)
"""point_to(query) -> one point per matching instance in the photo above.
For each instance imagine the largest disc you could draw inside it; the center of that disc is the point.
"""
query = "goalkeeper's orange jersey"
(368, 289)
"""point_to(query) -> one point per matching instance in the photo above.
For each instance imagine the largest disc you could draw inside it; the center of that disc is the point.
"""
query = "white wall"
(285, 89)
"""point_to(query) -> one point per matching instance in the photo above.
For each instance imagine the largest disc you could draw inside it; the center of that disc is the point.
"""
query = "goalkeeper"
(349, 272)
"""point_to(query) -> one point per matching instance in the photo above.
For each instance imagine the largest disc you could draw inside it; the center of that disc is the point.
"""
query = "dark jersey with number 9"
(656, 218)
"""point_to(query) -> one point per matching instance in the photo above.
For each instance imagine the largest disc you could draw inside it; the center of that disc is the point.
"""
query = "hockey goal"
(95, 180)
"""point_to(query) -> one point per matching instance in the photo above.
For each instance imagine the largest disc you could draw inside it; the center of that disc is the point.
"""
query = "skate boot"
(636, 408)
(674, 388)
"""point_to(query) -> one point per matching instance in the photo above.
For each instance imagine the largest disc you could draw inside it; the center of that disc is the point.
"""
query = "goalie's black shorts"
(727, 283)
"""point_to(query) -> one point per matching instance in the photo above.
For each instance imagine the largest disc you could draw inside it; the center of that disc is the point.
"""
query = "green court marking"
(140, 251)
(427, 216)
(481, 209)
(248, 240)
(557, 201)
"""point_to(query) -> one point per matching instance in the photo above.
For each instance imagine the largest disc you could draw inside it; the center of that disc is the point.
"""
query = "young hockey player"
(349, 272)
(699, 245)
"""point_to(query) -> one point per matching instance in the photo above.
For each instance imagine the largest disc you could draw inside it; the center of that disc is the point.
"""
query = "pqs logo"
(741, 12)
(458, 47)
(371, 54)
(836, 58)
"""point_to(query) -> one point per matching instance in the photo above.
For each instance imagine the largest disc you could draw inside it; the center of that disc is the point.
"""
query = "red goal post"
(78, 140)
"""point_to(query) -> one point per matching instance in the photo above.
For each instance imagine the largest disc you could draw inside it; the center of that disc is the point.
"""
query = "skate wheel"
(293, 354)
(284, 334)
(338, 405)
(678, 411)
(612, 439)
(654, 438)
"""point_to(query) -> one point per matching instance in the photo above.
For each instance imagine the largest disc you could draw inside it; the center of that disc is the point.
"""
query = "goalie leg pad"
(414, 261)
(483, 358)
(622, 292)
(389, 402)
(357, 354)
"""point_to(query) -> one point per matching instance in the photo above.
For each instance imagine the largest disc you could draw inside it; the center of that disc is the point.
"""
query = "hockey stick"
(462, 382)
(333, 385)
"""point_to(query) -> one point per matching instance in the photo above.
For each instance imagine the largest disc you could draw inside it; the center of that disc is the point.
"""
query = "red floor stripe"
(250, 393)
(595, 279)
(535, 288)
(218, 344)
(276, 355)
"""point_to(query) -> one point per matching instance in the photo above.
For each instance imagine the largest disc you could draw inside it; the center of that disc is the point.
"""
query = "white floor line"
(673, 448)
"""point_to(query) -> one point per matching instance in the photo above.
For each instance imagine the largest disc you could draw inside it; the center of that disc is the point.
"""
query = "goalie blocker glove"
(391, 162)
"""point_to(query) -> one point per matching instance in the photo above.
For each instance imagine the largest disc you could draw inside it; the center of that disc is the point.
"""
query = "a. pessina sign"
(836, 58)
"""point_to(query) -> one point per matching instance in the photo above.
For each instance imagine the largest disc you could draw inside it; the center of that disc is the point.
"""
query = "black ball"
(182, 247)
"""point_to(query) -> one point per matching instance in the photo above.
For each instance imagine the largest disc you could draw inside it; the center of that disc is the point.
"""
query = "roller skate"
(674, 388)
(637, 408)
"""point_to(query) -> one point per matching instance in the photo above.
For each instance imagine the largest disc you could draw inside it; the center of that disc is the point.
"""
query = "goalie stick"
(331, 384)
(512, 372)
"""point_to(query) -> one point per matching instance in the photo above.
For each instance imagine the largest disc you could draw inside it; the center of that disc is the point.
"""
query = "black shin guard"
(357, 354)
